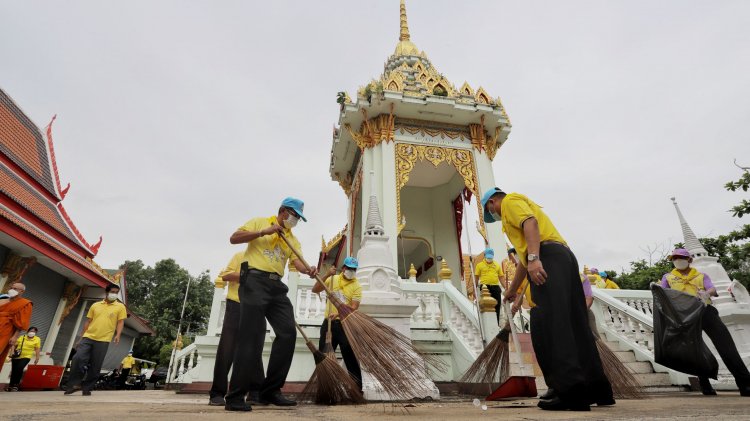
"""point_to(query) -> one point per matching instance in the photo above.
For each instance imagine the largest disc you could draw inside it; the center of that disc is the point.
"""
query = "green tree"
(743, 208)
(641, 274)
(156, 294)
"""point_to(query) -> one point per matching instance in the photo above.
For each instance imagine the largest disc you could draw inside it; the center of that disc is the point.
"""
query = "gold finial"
(445, 272)
(586, 270)
(486, 302)
(412, 271)
(404, 36)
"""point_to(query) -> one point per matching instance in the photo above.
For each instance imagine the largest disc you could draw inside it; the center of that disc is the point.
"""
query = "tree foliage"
(157, 293)
(743, 208)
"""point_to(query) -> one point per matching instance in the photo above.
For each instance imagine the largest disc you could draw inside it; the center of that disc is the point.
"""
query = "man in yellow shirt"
(229, 331)
(348, 290)
(560, 333)
(263, 297)
(608, 283)
(125, 366)
(28, 345)
(489, 273)
(104, 320)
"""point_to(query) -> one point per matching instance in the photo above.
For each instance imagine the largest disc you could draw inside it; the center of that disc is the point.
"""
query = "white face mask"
(111, 296)
(495, 215)
(349, 274)
(680, 264)
(12, 293)
(31, 334)
(290, 221)
(489, 260)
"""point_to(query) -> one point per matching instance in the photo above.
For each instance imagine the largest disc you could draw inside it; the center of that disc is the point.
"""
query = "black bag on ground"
(678, 335)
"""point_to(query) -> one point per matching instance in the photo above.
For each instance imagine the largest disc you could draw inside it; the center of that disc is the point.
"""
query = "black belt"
(551, 243)
(271, 275)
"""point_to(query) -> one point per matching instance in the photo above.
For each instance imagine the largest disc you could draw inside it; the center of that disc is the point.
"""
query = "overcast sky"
(180, 120)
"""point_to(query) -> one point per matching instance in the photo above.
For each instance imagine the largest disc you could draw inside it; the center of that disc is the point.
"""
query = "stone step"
(625, 356)
(653, 379)
(640, 367)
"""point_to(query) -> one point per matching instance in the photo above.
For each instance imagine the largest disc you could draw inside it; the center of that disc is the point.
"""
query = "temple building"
(41, 246)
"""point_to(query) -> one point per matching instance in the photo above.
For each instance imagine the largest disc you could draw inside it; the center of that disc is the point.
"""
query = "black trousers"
(123, 378)
(560, 332)
(338, 338)
(89, 354)
(225, 351)
(261, 299)
(16, 370)
(496, 294)
(722, 339)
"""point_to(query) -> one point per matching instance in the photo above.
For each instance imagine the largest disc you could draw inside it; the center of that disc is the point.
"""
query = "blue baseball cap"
(489, 253)
(486, 198)
(603, 274)
(351, 262)
(296, 205)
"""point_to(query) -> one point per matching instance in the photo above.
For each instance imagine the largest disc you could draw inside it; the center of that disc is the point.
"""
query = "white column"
(213, 319)
(49, 341)
(486, 180)
(72, 340)
(387, 195)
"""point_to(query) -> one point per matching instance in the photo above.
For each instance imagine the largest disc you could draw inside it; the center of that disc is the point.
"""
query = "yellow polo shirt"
(128, 361)
(514, 211)
(346, 290)
(611, 285)
(488, 273)
(28, 346)
(269, 253)
(104, 317)
(233, 266)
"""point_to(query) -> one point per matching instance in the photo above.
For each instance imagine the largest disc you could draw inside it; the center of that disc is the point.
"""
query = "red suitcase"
(42, 377)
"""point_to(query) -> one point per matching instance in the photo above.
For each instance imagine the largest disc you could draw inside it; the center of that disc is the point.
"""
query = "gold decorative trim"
(327, 247)
(462, 160)
(373, 131)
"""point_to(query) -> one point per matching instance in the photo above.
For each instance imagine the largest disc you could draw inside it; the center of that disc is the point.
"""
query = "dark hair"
(32, 328)
(110, 287)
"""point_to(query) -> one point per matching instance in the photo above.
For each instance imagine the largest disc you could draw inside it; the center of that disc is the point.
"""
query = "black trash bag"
(678, 335)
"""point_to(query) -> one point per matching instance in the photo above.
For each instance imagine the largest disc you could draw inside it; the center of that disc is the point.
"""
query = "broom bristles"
(330, 384)
(492, 365)
(389, 356)
(624, 384)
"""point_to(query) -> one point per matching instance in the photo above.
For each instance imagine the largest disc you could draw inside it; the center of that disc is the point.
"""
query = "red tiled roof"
(23, 143)
(44, 238)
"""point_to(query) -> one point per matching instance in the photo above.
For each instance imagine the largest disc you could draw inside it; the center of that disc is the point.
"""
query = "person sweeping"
(489, 273)
(348, 290)
(562, 340)
(264, 297)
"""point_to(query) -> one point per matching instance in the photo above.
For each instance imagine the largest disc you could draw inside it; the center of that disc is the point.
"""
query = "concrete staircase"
(644, 371)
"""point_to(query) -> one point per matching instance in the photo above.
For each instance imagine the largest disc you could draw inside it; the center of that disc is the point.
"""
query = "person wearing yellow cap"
(263, 296)
(348, 290)
(489, 272)
(563, 342)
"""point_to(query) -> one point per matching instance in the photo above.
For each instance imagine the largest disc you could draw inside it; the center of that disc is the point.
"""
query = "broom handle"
(307, 266)
(516, 345)
(299, 328)
(477, 292)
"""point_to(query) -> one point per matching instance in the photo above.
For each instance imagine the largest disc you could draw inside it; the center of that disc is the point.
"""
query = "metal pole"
(471, 266)
(179, 329)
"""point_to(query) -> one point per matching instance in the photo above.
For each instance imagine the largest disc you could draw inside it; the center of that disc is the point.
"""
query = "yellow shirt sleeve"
(91, 313)
(123, 313)
(233, 265)
(357, 293)
(500, 269)
(478, 269)
(517, 211)
(251, 225)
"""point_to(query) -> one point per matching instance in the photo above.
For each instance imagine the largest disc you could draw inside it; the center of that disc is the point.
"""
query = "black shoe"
(70, 391)
(605, 402)
(216, 401)
(706, 387)
(237, 406)
(276, 398)
(557, 404)
(253, 398)
(549, 394)
(86, 393)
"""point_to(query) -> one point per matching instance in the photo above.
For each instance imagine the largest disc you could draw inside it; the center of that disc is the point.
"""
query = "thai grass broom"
(389, 356)
(330, 384)
(493, 364)
(624, 384)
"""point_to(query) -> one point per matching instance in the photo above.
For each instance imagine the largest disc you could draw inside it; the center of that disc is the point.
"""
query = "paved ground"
(164, 405)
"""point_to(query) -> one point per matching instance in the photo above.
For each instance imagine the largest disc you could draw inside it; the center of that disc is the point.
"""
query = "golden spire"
(405, 47)
(404, 25)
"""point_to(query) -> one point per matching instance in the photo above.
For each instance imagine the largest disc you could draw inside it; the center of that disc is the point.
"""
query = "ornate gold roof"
(410, 72)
